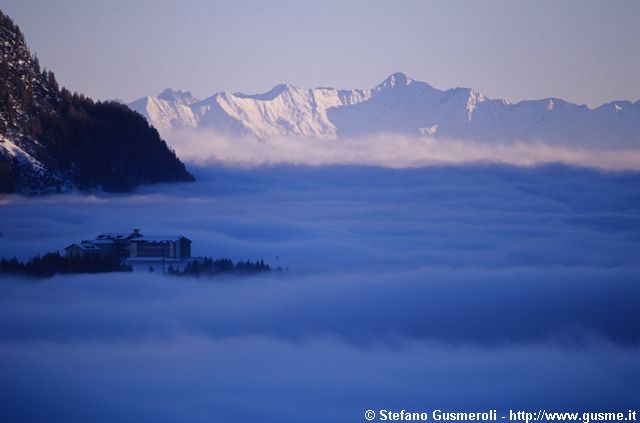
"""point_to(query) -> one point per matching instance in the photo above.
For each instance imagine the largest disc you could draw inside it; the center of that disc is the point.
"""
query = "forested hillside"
(53, 140)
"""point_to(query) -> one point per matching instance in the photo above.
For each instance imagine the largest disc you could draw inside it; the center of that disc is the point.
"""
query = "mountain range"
(398, 105)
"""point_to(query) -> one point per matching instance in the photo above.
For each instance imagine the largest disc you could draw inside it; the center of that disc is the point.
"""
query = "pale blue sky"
(583, 51)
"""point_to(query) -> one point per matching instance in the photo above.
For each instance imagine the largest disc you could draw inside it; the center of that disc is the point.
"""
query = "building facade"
(179, 247)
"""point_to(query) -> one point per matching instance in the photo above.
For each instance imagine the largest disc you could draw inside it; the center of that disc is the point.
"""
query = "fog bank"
(454, 287)
(202, 146)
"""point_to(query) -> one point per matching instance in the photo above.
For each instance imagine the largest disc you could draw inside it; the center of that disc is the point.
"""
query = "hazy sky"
(583, 51)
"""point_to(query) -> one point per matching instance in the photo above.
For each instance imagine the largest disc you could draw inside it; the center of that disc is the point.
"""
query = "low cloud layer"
(149, 348)
(455, 287)
(390, 150)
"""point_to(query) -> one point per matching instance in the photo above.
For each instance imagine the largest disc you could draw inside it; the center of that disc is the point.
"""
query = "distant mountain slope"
(397, 105)
(285, 110)
(52, 140)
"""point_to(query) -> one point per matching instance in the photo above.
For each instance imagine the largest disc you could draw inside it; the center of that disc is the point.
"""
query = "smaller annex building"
(105, 245)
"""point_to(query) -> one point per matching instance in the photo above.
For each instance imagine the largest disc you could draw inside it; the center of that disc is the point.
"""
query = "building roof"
(84, 245)
(110, 235)
(118, 236)
(103, 241)
(110, 238)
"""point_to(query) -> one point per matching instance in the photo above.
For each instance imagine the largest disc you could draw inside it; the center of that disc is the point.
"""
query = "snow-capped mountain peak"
(269, 95)
(184, 97)
(396, 80)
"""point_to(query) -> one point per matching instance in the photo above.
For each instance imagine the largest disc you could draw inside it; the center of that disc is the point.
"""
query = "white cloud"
(395, 151)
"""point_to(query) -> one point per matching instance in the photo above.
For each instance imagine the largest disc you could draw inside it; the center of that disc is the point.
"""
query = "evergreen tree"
(94, 145)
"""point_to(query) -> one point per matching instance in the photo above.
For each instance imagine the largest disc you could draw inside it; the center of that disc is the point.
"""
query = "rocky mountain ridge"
(400, 105)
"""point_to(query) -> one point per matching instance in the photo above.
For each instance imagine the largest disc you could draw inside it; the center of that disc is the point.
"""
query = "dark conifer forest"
(53, 263)
(53, 140)
(210, 267)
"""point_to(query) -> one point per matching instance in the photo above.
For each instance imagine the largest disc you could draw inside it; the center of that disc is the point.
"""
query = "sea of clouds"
(204, 146)
(465, 287)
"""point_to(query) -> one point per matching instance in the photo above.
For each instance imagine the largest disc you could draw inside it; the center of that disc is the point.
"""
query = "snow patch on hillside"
(10, 149)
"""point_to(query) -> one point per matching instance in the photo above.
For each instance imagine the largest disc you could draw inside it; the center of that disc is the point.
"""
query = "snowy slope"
(165, 114)
(397, 105)
(9, 148)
